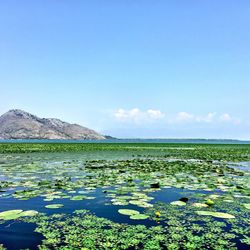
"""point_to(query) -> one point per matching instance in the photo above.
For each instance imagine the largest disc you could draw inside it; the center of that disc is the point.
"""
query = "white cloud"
(225, 117)
(155, 114)
(138, 116)
(184, 117)
(229, 119)
(123, 115)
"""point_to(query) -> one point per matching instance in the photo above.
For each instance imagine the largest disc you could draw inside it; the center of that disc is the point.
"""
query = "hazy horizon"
(134, 69)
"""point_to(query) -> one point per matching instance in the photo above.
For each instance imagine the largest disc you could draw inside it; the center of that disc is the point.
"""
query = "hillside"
(18, 124)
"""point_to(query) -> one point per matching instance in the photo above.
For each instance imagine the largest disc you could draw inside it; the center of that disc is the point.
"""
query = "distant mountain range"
(18, 124)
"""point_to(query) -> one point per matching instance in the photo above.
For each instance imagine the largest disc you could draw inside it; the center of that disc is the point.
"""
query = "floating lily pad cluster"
(15, 214)
(134, 215)
(216, 214)
(85, 230)
(212, 213)
(54, 206)
(130, 196)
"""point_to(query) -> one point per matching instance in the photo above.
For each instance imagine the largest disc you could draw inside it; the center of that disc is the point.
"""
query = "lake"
(124, 196)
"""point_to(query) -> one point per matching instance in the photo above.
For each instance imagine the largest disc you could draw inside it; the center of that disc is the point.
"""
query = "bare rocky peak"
(19, 124)
(55, 122)
(19, 114)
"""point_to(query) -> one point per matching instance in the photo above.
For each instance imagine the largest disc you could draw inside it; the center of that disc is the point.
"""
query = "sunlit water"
(19, 235)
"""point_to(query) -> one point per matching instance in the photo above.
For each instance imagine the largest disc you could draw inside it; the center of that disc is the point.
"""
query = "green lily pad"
(54, 206)
(134, 202)
(11, 217)
(216, 214)
(139, 217)
(29, 213)
(82, 192)
(10, 212)
(229, 201)
(209, 202)
(197, 204)
(247, 205)
(145, 205)
(15, 214)
(119, 202)
(128, 212)
(178, 203)
(140, 203)
(78, 198)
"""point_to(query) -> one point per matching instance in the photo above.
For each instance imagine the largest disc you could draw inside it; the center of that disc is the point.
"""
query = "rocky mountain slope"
(18, 124)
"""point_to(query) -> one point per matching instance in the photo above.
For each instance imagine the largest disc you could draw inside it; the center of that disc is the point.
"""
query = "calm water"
(198, 141)
(18, 235)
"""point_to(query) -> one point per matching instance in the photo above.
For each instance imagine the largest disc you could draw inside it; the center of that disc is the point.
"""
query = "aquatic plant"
(206, 206)
(15, 214)
(54, 206)
(128, 212)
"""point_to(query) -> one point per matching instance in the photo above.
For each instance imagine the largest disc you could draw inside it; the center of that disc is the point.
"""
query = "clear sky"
(131, 68)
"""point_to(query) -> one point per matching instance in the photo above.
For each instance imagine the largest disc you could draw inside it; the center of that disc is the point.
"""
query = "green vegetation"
(54, 206)
(182, 230)
(235, 152)
(170, 196)
(15, 214)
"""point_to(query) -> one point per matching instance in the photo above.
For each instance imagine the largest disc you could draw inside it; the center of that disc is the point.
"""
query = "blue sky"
(134, 68)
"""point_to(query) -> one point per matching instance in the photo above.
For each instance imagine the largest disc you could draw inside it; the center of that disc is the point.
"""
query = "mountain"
(18, 124)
